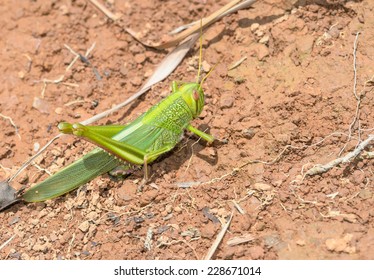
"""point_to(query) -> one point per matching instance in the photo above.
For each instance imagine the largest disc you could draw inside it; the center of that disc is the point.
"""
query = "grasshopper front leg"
(207, 137)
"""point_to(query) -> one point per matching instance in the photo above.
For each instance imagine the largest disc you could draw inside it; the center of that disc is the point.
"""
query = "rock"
(64, 10)
(358, 177)
(178, 209)
(365, 194)
(264, 40)
(248, 133)
(341, 244)
(306, 44)
(42, 247)
(206, 66)
(262, 51)
(25, 256)
(41, 105)
(228, 86)
(208, 231)
(64, 238)
(254, 26)
(84, 226)
(59, 111)
(227, 102)
(259, 33)
(139, 58)
(169, 208)
(148, 197)
(92, 216)
(136, 81)
(262, 187)
(34, 221)
(257, 252)
(21, 75)
(53, 237)
(300, 242)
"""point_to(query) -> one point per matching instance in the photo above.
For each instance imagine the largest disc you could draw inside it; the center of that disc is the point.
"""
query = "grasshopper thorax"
(193, 95)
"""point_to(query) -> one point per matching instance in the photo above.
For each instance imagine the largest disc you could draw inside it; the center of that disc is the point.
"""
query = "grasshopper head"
(193, 95)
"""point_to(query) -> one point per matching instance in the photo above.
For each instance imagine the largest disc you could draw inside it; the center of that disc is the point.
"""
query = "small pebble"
(262, 187)
(59, 110)
(227, 102)
(84, 226)
(206, 66)
(254, 26)
(264, 40)
(36, 147)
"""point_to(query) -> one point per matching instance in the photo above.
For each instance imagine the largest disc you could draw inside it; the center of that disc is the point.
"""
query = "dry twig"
(7, 242)
(12, 123)
(103, 9)
(318, 169)
(230, 7)
(218, 239)
(356, 117)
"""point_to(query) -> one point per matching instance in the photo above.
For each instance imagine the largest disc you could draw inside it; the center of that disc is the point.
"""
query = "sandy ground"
(286, 107)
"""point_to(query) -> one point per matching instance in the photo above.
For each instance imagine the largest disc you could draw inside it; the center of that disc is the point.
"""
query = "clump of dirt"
(284, 99)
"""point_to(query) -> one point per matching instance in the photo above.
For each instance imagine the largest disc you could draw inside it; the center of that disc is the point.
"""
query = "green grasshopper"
(152, 134)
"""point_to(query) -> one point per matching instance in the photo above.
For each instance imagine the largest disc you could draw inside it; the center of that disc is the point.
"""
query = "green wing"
(76, 174)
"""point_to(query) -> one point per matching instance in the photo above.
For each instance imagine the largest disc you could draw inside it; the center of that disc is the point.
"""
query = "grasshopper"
(140, 142)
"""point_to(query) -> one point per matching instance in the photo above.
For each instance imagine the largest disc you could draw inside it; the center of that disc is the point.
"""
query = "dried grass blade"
(7, 242)
(228, 8)
(103, 9)
(218, 240)
(240, 6)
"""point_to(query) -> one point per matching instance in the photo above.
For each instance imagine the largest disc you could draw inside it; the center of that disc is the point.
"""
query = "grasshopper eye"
(195, 95)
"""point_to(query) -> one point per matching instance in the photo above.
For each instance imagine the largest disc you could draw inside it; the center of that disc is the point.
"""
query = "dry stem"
(103, 9)
(318, 169)
(12, 123)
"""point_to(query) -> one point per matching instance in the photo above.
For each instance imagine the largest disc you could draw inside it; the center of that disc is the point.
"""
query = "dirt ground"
(287, 105)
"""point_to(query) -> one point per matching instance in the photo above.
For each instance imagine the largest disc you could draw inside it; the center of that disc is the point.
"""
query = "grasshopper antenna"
(200, 58)
(201, 50)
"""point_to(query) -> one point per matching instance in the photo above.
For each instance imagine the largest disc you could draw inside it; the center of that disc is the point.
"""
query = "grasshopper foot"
(143, 183)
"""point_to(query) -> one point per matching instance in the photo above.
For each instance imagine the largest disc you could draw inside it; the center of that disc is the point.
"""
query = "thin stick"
(318, 169)
(237, 63)
(27, 163)
(148, 239)
(358, 98)
(6, 170)
(12, 123)
(105, 11)
(218, 239)
(355, 66)
(7, 242)
(41, 169)
(230, 7)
